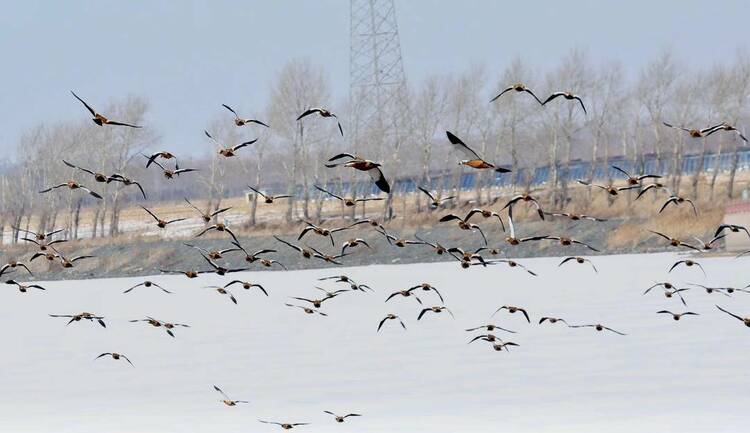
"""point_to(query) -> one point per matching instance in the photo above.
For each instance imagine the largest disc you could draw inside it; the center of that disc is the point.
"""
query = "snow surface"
(663, 376)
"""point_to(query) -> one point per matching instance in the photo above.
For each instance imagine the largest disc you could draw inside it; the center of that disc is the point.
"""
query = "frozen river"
(664, 375)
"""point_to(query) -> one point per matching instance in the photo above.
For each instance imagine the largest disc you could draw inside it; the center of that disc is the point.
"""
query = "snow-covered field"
(663, 376)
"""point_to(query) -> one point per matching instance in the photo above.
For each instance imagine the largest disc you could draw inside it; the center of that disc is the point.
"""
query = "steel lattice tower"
(378, 85)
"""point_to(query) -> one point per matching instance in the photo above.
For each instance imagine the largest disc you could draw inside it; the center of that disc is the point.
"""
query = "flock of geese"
(49, 247)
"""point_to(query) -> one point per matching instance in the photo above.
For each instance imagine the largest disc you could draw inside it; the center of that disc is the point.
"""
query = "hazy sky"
(189, 57)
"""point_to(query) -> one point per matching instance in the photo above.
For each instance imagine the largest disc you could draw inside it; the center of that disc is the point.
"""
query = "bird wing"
(460, 145)
(91, 110)
(230, 109)
(380, 181)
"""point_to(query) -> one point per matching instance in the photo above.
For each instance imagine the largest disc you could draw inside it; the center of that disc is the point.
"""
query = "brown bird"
(695, 133)
(189, 274)
(745, 320)
(268, 199)
(677, 316)
(361, 164)
(553, 320)
(207, 215)
(464, 224)
(490, 327)
(147, 283)
(574, 216)
(23, 288)
(474, 161)
(223, 291)
(346, 200)
(231, 151)
(320, 231)
(252, 257)
(635, 180)
(677, 200)
(669, 291)
(168, 326)
(611, 190)
(160, 154)
(81, 316)
(689, 263)
(98, 118)
(707, 246)
(317, 303)
(345, 279)
(116, 356)
(579, 260)
(284, 425)
(393, 240)
(221, 270)
(126, 181)
(512, 309)
(566, 241)
(439, 249)
(598, 327)
(323, 113)
(733, 228)
(246, 285)
(674, 241)
(160, 222)
(169, 173)
(241, 121)
(435, 310)
(525, 197)
(219, 227)
(43, 245)
(214, 254)
(518, 87)
(467, 258)
(353, 242)
(41, 236)
(307, 253)
(391, 316)
(72, 185)
(501, 346)
(711, 290)
(228, 401)
(340, 418)
(99, 177)
(485, 214)
(69, 263)
(435, 199)
(12, 265)
(50, 256)
(567, 95)
(655, 186)
(427, 287)
(726, 127)
(407, 293)
(512, 264)
(307, 310)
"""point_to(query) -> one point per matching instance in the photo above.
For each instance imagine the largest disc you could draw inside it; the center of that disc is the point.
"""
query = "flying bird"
(435, 199)
(72, 185)
(346, 200)
(340, 418)
(567, 95)
(207, 215)
(231, 151)
(474, 161)
(239, 121)
(160, 222)
(116, 356)
(361, 164)
(391, 316)
(98, 118)
(518, 87)
(512, 309)
(323, 113)
(147, 283)
(228, 401)
(268, 199)
(579, 260)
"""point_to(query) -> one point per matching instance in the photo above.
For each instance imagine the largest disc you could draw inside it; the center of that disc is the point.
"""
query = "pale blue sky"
(189, 57)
